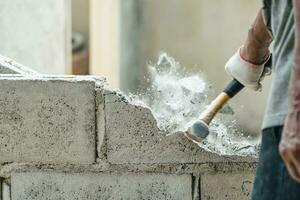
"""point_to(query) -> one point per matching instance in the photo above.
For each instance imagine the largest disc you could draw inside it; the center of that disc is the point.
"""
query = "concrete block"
(133, 137)
(47, 120)
(226, 186)
(5, 70)
(48, 186)
(9, 66)
(37, 33)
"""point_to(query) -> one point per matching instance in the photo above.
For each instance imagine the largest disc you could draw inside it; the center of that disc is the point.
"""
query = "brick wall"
(67, 137)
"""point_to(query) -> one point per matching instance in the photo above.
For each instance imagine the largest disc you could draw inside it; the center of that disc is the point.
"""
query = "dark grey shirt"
(278, 15)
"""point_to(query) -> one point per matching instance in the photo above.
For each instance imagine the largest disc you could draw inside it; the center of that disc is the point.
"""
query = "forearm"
(289, 147)
(294, 90)
(256, 46)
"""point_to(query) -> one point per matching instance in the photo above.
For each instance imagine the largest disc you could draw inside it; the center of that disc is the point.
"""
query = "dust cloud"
(177, 97)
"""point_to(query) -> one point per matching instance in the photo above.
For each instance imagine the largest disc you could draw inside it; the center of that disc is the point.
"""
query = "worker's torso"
(279, 18)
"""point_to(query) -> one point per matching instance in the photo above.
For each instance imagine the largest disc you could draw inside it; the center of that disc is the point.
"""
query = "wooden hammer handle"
(230, 91)
(208, 115)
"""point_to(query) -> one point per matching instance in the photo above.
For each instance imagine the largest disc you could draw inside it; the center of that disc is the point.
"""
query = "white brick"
(227, 186)
(53, 186)
(47, 120)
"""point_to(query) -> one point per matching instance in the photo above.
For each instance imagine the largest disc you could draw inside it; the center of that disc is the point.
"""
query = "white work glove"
(250, 75)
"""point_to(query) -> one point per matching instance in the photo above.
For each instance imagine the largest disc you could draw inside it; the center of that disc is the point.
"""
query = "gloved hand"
(249, 74)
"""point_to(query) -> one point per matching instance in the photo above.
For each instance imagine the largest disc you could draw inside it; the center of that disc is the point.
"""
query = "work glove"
(249, 74)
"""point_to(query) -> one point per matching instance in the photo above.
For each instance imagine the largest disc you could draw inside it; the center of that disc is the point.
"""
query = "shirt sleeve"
(266, 11)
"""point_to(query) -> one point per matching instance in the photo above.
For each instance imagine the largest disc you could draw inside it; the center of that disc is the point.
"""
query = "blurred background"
(118, 38)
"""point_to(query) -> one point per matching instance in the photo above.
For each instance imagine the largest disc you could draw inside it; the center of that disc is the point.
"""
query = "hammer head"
(197, 132)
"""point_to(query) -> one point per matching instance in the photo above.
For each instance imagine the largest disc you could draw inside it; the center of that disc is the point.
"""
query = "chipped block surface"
(5, 70)
(133, 137)
(48, 186)
(226, 186)
(47, 120)
(9, 66)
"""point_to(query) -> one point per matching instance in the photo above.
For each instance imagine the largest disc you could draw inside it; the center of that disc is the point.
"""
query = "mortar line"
(193, 186)
(10, 190)
(199, 186)
(1, 189)
(105, 131)
(96, 124)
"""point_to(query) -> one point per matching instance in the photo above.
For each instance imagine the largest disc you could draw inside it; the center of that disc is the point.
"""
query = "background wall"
(104, 39)
(81, 17)
(37, 34)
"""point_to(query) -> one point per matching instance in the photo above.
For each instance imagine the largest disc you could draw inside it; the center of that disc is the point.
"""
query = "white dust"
(177, 97)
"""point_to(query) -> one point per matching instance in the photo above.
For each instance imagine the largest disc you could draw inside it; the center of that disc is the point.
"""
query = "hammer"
(200, 129)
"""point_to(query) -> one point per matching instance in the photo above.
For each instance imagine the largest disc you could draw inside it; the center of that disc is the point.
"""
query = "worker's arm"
(247, 65)
(290, 142)
(256, 46)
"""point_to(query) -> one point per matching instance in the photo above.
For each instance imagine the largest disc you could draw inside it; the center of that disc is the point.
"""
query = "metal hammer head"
(198, 131)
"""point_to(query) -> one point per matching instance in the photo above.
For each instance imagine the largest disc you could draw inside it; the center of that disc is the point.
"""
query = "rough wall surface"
(39, 186)
(228, 186)
(68, 137)
(47, 120)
